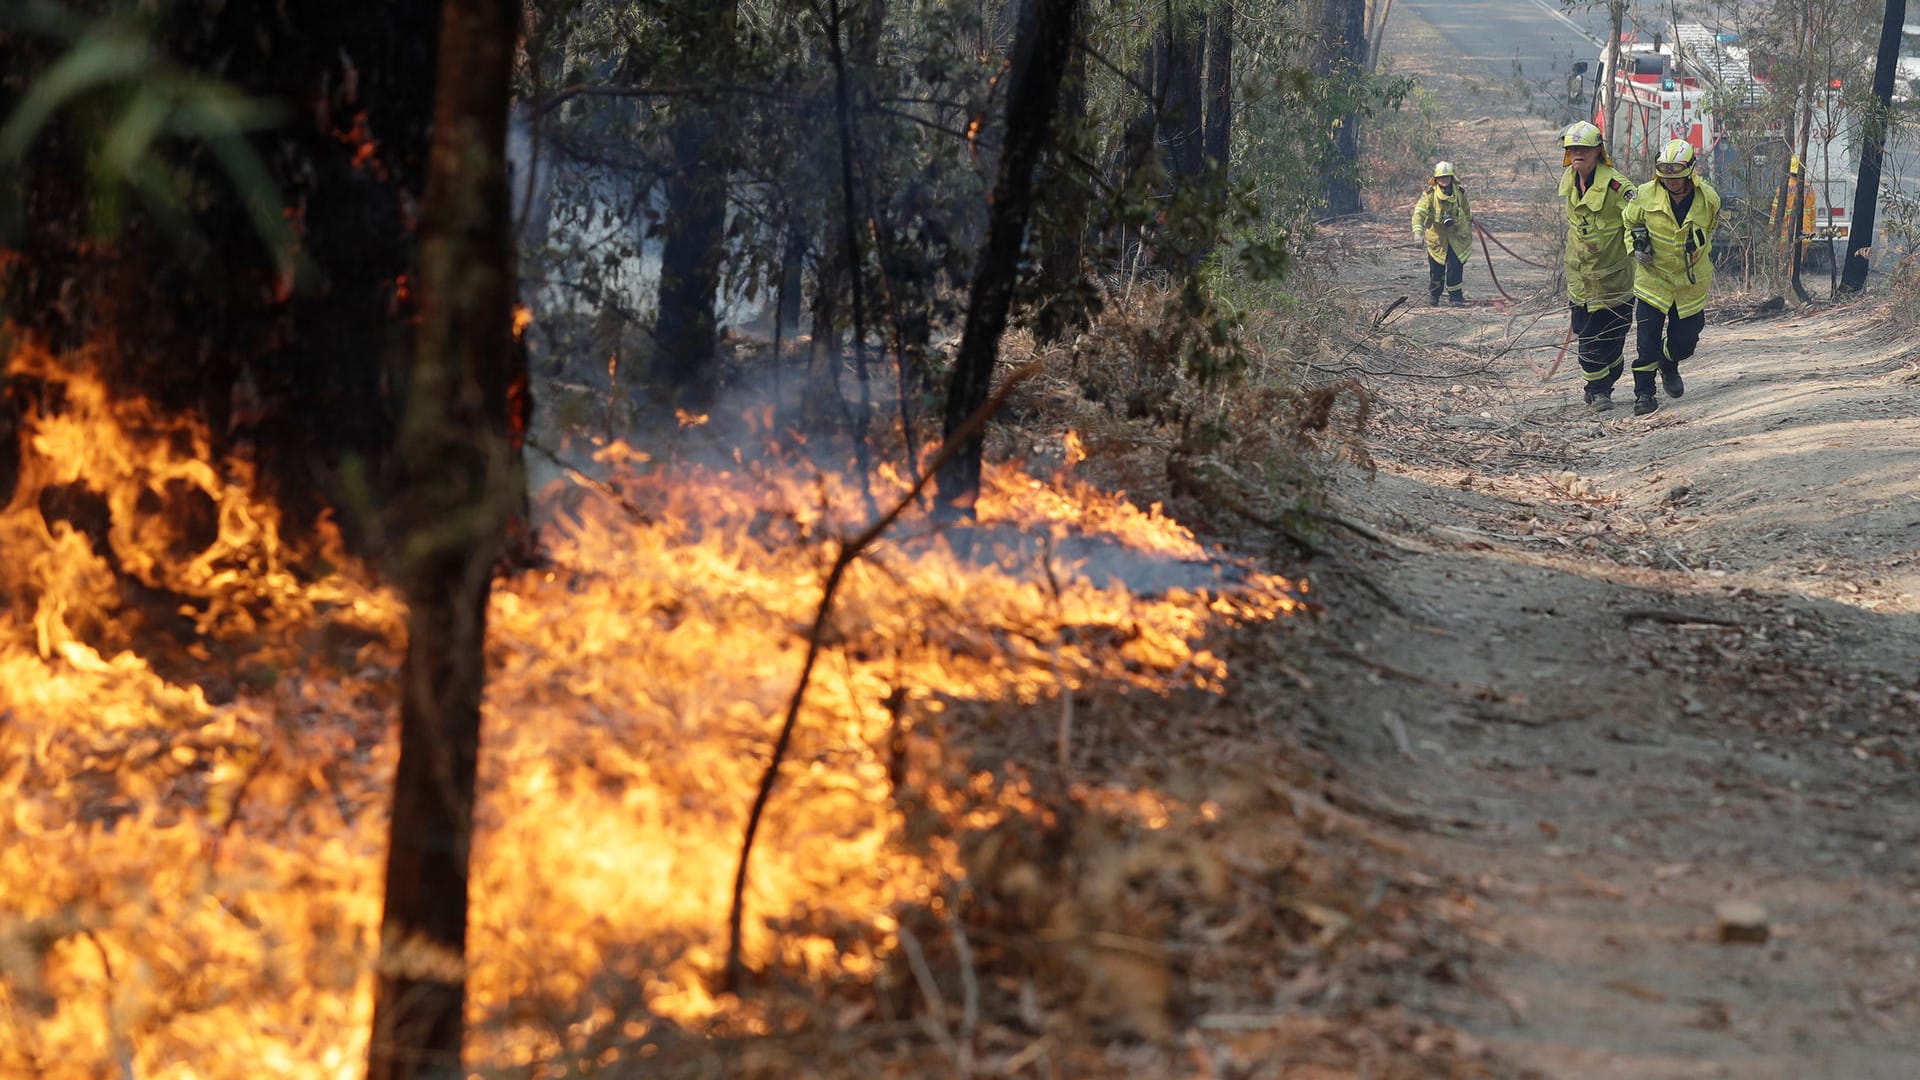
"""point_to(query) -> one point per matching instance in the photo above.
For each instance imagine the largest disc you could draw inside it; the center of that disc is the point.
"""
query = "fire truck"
(1702, 86)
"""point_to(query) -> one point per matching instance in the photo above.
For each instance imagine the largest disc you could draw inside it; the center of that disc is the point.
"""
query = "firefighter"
(1598, 263)
(1442, 217)
(1797, 192)
(1671, 223)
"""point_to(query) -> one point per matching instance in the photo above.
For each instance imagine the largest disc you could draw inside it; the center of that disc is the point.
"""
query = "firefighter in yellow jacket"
(1598, 263)
(1443, 219)
(1671, 224)
(1796, 192)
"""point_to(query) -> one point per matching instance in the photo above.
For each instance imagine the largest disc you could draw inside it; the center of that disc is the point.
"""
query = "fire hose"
(1525, 354)
(1485, 236)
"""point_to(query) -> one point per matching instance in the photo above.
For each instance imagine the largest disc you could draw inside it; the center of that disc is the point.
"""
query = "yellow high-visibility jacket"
(1805, 194)
(1598, 261)
(1680, 273)
(1432, 209)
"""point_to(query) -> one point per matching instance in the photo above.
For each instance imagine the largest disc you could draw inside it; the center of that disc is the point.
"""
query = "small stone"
(1741, 922)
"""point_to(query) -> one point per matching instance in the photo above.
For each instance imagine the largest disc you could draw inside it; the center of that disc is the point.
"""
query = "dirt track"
(1614, 671)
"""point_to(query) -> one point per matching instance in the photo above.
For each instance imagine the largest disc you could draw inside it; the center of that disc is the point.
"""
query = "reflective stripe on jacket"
(1599, 263)
(1431, 209)
(1681, 271)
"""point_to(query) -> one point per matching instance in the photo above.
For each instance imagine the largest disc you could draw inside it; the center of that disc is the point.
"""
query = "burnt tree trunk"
(686, 327)
(1219, 124)
(1063, 233)
(1184, 122)
(460, 486)
(1039, 57)
(1866, 194)
(201, 315)
(1343, 50)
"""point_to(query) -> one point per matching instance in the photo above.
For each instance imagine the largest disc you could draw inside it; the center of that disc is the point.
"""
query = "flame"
(366, 148)
(197, 730)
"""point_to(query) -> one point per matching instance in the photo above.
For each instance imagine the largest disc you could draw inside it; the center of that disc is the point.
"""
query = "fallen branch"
(1677, 618)
(849, 552)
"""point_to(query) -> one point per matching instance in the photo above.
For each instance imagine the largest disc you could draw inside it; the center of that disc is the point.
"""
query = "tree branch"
(849, 552)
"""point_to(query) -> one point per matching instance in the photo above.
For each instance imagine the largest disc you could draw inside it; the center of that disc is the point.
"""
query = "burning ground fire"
(195, 736)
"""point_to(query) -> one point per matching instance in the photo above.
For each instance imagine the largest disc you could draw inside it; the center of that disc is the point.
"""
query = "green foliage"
(1286, 134)
(1399, 146)
(134, 114)
(925, 98)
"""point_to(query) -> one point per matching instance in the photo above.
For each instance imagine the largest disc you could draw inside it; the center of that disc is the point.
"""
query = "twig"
(1677, 618)
(632, 508)
(923, 975)
(850, 237)
(1063, 739)
(1398, 729)
(1353, 527)
(1675, 560)
(849, 552)
(969, 990)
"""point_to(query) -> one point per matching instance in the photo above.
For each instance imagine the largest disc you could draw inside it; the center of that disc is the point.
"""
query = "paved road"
(1531, 39)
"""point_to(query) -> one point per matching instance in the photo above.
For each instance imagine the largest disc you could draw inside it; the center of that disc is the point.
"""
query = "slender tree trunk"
(850, 219)
(793, 265)
(460, 486)
(1039, 57)
(1343, 46)
(1182, 109)
(1377, 32)
(1219, 124)
(1803, 190)
(1183, 112)
(1136, 159)
(686, 328)
(1610, 94)
(1063, 259)
(1866, 195)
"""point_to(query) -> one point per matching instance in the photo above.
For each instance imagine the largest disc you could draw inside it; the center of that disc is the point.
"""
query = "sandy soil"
(1612, 672)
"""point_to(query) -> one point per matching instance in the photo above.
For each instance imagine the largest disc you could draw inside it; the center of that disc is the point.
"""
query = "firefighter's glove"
(1643, 246)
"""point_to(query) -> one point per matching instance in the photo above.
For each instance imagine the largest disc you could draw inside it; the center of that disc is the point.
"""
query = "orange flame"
(191, 865)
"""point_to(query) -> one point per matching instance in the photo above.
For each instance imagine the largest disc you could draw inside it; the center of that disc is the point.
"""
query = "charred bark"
(1184, 121)
(1343, 51)
(460, 485)
(686, 328)
(1873, 149)
(195, 311)
(1039, 57)
(1219, 123)
(1068, 306)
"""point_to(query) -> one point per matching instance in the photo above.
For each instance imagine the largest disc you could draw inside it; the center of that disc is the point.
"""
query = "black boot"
(1644, 403)
(1670, 378)
(1600, 397)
